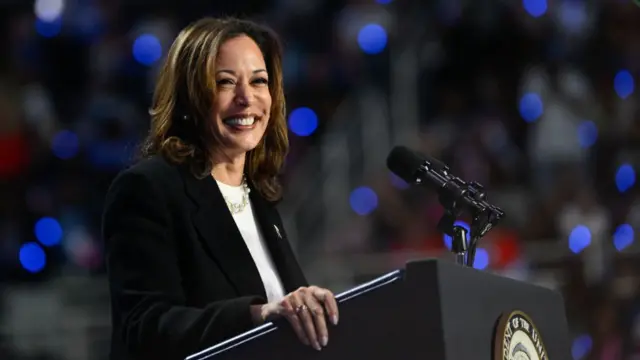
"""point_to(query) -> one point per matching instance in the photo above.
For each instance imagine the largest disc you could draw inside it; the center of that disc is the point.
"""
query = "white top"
(248, 226)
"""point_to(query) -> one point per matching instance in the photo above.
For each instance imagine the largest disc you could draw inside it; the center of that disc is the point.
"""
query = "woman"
(196, 250)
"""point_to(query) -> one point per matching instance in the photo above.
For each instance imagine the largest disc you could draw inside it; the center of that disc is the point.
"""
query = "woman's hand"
(307, 310)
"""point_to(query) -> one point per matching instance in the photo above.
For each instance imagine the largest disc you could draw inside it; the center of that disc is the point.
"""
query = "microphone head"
(405, 163)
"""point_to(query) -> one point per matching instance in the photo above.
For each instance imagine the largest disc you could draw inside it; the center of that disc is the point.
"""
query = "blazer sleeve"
(147, 299)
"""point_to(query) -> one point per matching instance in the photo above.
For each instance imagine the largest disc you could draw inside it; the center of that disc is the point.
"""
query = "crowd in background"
(537, 103)
(544, 113)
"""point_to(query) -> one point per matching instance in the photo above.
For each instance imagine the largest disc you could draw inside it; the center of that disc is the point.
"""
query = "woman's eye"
(224, 82)
(261, 81)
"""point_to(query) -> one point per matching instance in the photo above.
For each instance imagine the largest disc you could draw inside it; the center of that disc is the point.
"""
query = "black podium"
(430, 310)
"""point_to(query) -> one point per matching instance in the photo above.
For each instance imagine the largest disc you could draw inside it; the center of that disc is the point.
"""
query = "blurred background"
(534, 99)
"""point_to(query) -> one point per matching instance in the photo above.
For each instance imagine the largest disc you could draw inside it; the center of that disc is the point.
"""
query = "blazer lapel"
(279, 247)
(220, 234)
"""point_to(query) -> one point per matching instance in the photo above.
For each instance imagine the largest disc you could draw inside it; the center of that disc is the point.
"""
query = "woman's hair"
(181, 131)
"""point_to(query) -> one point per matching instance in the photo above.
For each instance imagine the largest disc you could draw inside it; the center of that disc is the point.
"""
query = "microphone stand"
(484, 219)
(458, 234)
(459, 244)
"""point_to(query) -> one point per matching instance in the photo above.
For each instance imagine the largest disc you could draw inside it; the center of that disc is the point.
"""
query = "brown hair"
(182, 101)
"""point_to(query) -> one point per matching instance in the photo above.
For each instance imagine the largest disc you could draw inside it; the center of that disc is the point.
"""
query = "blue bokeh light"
(372, 39)
(303, 121)
(384, 2)
(110, 155)
(573, 15)
(397, 182)
(65, 145)
(48, 231)
(363, 200)
(623, 237)
(579, 238)
(147, 49)
(535, 8)
(481, 260)
(531, 107)
(448, 239)
(625, 177)
(32, 257)
(587, 134)
(48, 29)
(623, 84)
(581, 347)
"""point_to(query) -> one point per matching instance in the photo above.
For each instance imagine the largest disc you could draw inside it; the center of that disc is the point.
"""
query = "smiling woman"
(240, 74)
(196, 250)
(201, 89)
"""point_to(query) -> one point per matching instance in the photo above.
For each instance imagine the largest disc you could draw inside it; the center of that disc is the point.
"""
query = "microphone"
(454, 193)
(415, 168)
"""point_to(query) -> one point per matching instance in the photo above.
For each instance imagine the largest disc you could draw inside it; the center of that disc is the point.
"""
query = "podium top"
(272, 326)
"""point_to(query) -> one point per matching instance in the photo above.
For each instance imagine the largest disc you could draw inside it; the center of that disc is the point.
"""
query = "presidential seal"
(517, 338)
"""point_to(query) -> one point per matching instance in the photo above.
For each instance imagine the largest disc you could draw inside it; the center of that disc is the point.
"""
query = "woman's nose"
(243, 95)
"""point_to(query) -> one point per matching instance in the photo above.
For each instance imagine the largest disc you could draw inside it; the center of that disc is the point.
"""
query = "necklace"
(236, 208)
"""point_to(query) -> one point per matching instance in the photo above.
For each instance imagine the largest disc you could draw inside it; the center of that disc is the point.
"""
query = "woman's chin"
(240, 142)
(247, 148)
(242, 146)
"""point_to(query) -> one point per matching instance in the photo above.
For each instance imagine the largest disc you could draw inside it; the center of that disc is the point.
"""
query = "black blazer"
(180, 275)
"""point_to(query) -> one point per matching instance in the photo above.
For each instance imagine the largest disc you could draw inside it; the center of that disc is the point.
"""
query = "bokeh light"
(81, 247)
(49, 29)
(506, 249)
(48, 10)
(587, 134)
(581, 347)
(448, 239)
(147, 49)
(481, 260)
(625, 177)
(32, 257)
(573, 15)
(383, 2)
(535, 8)
(579, 239)
(623, 237)
(623, 84)
(372, 39)
(65, 145)
(48, 231)
(531, 107)
(303, 121)
(397, 182)
(363, 200)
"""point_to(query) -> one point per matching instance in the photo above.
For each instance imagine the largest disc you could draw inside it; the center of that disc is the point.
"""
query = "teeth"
(240, 121)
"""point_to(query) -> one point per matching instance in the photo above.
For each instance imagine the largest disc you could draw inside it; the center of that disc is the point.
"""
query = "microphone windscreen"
(404, 162)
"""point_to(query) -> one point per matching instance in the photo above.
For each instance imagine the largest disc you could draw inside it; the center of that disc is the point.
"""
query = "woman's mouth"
(240, 122)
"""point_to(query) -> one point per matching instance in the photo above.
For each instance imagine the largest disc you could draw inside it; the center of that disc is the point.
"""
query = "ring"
(301, 308)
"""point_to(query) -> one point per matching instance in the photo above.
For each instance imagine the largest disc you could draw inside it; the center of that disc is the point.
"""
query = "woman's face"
(242, 104)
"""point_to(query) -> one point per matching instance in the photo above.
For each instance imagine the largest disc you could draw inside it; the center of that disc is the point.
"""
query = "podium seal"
(517, 338)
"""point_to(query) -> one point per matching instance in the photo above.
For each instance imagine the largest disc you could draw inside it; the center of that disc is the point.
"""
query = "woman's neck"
(229, 171)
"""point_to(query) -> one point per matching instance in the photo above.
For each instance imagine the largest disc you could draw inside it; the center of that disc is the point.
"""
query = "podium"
(432, 310)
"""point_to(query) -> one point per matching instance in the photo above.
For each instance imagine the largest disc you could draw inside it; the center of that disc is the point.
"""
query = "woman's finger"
(317, 313)
(306, 318)
(288, 307)
(328, 299)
